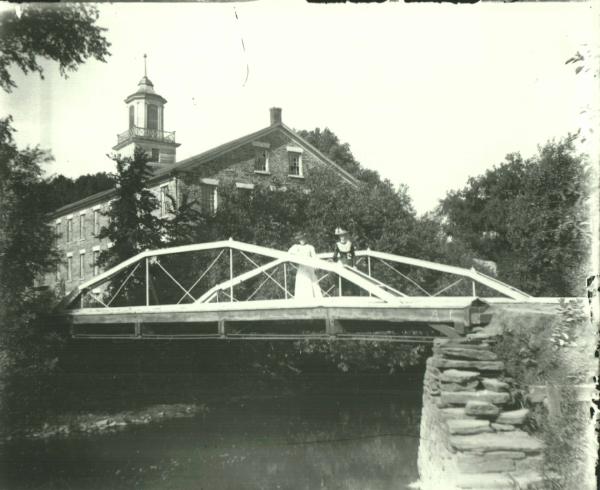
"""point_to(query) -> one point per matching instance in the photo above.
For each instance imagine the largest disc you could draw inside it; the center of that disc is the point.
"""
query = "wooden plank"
(421, 315)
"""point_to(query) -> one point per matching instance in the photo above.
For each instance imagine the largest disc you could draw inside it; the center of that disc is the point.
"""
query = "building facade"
(272, 154)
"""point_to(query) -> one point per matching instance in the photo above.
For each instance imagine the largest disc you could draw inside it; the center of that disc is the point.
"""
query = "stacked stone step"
(483, 435)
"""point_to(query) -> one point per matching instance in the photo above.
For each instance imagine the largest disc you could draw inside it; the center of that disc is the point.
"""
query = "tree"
(133, 224)
(67, 34)
(529, 216)
(327, 142)
(28, 347)
(27, 240)
(64, 190)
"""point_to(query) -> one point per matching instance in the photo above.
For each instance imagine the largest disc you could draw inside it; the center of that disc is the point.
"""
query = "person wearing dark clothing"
(344, 248)
(344, 253)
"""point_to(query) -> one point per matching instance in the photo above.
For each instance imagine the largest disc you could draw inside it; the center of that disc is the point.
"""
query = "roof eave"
(351, 178)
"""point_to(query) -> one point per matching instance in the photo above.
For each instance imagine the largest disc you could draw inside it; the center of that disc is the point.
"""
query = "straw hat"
(340, 231)
(299, 235)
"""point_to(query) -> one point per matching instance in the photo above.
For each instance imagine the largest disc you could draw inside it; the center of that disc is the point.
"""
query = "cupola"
(145, 111)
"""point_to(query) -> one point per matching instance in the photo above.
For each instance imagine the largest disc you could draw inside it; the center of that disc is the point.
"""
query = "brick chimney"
(275, 115)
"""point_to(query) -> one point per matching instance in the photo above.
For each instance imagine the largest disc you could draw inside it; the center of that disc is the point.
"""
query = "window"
(163, 199)
(96, 221)
(69, 229)
(155, 155)
(152, 116)
(131, 116)
(69, 267)
(261, 160)
(81, 265)
(208, 198)
(96, 254)
(295, 163)
(81, 226)
(57, 230)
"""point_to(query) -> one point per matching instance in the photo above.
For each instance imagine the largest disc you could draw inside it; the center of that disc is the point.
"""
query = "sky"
(427, 95)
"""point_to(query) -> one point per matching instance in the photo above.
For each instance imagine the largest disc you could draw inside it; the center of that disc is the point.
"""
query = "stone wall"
(471, 434)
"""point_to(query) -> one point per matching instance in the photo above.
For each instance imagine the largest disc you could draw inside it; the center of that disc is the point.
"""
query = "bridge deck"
(342, 317)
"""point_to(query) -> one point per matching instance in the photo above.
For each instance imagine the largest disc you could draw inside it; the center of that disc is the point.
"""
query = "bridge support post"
(369, 265)
(138, 330)
(221, 328)
(147, 283)
(231, 273)
(333, 326)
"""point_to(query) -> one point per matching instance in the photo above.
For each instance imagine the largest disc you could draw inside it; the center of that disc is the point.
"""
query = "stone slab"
(469, 365)
(481, 409)
(533, 480)
(514, 417)
(531, 463)
(454, 413)
(506, 454)
(502, 427)
(495, 384)
(497, 441)
(485, 481)
(463, 397)
(472, 463)
(472, 385)
(468, 426)
(462, 353)
(457, 376)
(460, 341)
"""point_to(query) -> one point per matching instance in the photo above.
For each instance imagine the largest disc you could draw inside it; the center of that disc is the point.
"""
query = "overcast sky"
(428, 95)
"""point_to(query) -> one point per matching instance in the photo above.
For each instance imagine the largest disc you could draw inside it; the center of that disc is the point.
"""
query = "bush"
(555, 350)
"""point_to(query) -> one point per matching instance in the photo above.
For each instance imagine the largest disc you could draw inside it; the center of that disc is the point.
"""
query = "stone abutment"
(471, 431)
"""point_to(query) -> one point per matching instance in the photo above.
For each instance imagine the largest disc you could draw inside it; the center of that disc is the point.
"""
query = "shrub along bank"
(555, 350)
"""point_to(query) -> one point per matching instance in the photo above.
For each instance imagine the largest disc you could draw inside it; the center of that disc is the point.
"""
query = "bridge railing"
(238, 271)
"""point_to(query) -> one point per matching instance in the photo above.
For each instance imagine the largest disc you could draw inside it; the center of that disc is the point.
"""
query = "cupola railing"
(151, 134)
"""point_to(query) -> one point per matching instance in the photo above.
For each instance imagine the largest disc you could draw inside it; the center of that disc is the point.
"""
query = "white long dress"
(306, 286)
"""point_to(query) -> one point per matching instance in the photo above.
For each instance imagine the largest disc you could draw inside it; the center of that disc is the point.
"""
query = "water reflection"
(358, 442)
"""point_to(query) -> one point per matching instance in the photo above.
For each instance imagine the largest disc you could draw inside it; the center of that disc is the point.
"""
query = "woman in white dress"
(307, 285)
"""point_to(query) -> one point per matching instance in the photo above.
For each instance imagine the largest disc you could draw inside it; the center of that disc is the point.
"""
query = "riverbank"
(67, 425)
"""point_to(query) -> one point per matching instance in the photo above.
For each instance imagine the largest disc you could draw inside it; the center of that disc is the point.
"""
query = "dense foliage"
(327, 142)
(67, 34)
(133, 225)
(554, 350)
(530, 217)
(63, 190)
(28, 348)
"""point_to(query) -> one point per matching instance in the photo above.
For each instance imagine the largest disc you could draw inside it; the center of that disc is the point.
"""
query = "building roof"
(165, 171)
(145, 89)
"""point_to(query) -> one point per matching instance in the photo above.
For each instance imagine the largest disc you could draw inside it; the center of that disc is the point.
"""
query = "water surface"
(359, 442)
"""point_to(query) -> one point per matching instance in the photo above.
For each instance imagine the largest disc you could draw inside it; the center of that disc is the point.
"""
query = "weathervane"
(145, 65)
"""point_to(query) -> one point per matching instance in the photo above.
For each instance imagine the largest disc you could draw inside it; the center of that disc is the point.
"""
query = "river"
(358, 441)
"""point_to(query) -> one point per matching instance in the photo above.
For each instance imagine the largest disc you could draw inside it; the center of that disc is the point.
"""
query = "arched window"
(131, 116)
(152, 116)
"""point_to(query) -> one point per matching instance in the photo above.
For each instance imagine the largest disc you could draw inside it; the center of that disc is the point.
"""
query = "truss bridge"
(235, 290)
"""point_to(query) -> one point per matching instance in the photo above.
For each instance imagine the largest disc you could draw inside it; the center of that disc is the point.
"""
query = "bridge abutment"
(471, 432)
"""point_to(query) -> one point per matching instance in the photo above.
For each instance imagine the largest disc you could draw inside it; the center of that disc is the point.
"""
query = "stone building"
(272, 154)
